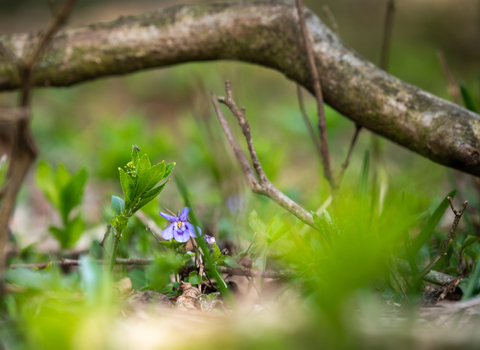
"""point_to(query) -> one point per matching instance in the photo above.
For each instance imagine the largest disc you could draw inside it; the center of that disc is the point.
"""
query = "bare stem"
(322, 124)
(303, 111)
(347, 159)
(387, 34)
(452, 86)
(261, 185)
(443, 248)
(331, 18)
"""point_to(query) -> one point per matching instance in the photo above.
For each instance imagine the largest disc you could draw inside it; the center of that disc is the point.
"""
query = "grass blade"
(430, 225)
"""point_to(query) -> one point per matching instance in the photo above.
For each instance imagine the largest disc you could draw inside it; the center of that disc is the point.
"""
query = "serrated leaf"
(128, 186)
(150, 178)
(117, 205)
(168, 169)
(143, 165)
(149, 196)
(427, 230)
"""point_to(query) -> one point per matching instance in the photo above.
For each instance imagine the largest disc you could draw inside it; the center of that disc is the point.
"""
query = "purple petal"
(169, 217)
(191, 229)
(184, 214)
(181, 237)
(168, 232)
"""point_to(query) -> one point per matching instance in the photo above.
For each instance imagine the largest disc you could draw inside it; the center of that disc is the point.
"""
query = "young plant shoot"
(139, 180)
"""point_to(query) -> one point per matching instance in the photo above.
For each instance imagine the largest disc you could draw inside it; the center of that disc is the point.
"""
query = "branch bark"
(264, 33)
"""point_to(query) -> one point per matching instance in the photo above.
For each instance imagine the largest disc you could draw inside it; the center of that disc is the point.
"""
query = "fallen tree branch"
(264, 33)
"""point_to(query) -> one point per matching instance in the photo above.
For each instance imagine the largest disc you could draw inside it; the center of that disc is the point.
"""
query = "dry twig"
(443, 248)
(452, 86)
(322, 124)
(331, 18)
(261, 185)
(387, 35)
(303, 112)
(347, 159)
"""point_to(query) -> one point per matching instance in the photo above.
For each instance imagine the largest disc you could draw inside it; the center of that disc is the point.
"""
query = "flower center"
(179, 224)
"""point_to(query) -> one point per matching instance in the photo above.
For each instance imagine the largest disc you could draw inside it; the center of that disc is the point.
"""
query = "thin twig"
(452, 86)
(303, 111)
(169, 211)
(105, 236)
(358, 128)
(331, 18)
(446, 242)
(387, 34)
(246, 251)
(261, 185)
(322, 124)
(28, 64)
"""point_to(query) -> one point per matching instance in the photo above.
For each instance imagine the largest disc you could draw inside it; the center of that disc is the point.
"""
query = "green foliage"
(158, 273)
(432, 222)
(265, 236)
(139, 180)
(467, 98)
(64, 192)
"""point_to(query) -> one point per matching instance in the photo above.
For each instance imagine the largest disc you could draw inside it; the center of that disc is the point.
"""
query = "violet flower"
(209, 239)
(179, 228)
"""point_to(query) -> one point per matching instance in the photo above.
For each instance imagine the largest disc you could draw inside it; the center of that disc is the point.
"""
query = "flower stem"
(113, 255)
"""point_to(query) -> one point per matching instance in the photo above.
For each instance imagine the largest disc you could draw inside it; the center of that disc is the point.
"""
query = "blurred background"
(167, 113)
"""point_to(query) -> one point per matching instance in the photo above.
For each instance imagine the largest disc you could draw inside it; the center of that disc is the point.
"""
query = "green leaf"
(68, 236)
(135, 155)
(128, 186)
(143, 165)
(467, 98)
(149, 196)
(228, 261)
(60, 235)
(74, 230)
(469, 241)
(117, 205)
(324, 225)
(71, 194)
(168, 169)
(150, 178)
(364, 173)
(62, 176)
(427, 230)
(256, 224)
(120, 222)
(46, 183)
(216, 252)
(194, 278)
